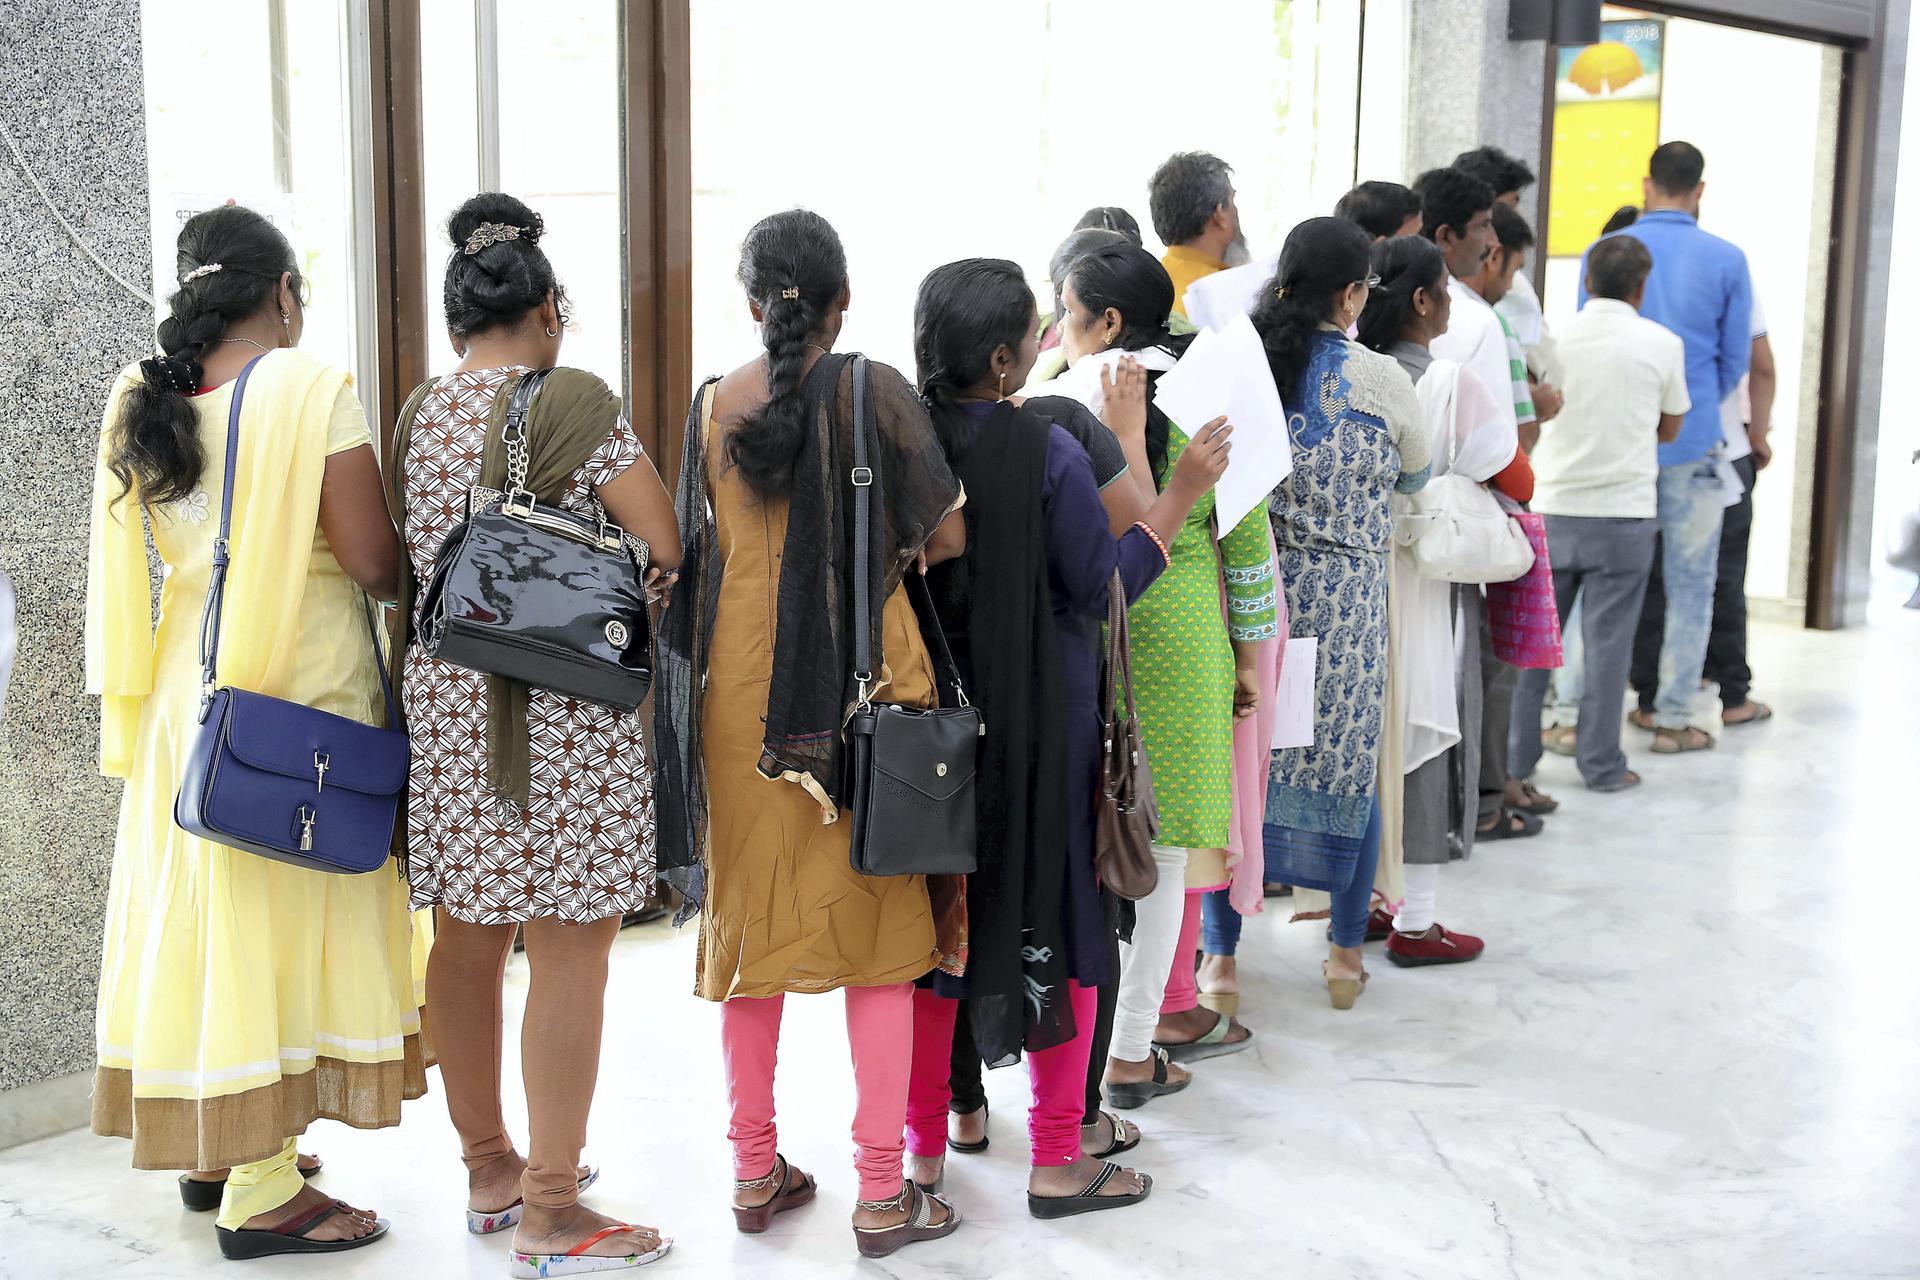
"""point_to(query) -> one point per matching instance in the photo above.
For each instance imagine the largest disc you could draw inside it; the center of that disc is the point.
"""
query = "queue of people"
(843, 536)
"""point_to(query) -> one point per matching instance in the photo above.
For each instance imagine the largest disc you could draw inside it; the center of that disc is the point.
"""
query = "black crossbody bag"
(911, 769)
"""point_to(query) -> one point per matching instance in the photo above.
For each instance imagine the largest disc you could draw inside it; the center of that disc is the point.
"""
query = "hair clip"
(791, 291)
(491, 233)
(206, 269)
(171, 372)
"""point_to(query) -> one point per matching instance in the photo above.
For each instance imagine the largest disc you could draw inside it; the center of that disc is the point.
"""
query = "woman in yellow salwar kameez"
(240, 998)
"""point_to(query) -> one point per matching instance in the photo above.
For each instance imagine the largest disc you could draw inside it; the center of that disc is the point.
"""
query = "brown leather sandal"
(753, 1219)
(878, 1242)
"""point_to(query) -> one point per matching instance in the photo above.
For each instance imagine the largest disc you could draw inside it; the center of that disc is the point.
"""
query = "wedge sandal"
(1138, 1093)
(1214, 1044)
(578, 1262)
(879, 1242)
(754, 1219)
(1088, 1199)
(1121, 1142)
(291, 1236)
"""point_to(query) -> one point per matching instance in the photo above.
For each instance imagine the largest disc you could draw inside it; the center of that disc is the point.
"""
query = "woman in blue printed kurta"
(1357, 438)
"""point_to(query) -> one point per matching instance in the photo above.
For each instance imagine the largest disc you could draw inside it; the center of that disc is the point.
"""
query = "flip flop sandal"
(1214, 1044)
(1561, 739)
(1625, 782)
(1119, 1145)
(791, 1195)
(972, 1148)
(203, 1196)
(1224, 1003)
(481, 1223)
(1088, 1199)
(1138, 1093)
(291, 1236)
(1674, 742)
(1643, 721)
(878, 1242)
(1761, 712)
(578, 1262)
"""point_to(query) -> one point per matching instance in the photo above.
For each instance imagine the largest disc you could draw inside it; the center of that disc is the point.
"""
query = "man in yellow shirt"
(1191, 198)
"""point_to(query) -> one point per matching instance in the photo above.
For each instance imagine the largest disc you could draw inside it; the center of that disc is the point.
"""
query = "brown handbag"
(1126, 821)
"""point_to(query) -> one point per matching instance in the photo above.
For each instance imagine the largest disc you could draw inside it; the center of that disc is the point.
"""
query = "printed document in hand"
(1079, 381)
(1293, 700)
(1225, 371)
(1217, 300)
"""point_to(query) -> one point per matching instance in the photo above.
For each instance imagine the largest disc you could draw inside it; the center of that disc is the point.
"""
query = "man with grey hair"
(1191, 199)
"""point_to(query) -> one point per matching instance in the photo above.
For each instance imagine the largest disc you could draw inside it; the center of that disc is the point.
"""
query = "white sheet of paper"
(1225, 371)
(1293, 700)
(1215, 301)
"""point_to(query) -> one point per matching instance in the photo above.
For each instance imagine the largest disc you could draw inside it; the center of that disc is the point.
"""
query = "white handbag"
(1456, 531)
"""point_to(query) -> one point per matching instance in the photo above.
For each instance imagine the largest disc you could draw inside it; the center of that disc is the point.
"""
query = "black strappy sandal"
(1088, 1199)
(291, 1236)
(1120, 1144)
(1138, 1093)
(202, 1195)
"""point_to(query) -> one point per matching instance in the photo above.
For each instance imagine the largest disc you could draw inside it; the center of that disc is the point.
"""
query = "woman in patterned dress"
(1185, 670)
(539, 820)
(1358, 437)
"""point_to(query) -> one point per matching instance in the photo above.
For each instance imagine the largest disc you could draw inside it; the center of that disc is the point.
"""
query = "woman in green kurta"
(1184, 670)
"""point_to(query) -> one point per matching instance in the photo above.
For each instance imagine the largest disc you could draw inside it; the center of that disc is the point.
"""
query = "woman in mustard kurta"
(240, 998)
(757, 667)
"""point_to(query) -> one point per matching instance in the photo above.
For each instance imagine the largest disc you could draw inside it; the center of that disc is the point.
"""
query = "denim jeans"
(1348, 915)
(1219, 924)
(1692, 506)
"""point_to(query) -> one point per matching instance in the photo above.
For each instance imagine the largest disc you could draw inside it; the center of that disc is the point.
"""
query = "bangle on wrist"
(1166, 557)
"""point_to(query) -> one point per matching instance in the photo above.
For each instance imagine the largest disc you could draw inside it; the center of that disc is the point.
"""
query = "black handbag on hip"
(911, 769)
(540, 594)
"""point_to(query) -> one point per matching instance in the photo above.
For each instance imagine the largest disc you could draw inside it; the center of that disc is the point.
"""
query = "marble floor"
(1692, 1049)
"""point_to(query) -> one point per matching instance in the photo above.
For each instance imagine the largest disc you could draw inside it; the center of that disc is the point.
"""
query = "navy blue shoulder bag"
(277, 778)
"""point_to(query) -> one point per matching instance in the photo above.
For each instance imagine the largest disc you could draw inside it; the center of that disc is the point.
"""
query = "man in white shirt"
(1596, 483)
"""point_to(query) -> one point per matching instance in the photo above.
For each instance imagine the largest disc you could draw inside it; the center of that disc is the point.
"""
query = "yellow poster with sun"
(1606, 123)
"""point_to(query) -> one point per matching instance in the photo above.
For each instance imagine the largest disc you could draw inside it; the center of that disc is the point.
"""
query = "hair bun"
(495, 207)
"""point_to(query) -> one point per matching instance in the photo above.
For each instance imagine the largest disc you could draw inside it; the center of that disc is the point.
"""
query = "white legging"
(1148, 959)
(1422, 889)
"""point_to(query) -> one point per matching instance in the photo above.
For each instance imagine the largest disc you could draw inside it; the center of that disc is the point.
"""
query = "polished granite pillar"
(72, 110)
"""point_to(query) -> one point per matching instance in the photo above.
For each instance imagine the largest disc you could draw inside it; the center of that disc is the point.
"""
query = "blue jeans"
(1692, 503)
(1351, 905)
(1219, 925)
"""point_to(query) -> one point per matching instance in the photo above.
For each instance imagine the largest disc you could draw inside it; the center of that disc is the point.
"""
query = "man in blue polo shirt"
(1699, 289)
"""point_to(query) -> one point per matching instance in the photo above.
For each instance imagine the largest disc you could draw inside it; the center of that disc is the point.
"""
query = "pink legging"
(879, 1021)
(1183, 987)
(1058, 1076)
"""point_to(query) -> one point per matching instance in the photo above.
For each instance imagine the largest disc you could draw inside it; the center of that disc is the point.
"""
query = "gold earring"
(286, 323)
(1003, 386)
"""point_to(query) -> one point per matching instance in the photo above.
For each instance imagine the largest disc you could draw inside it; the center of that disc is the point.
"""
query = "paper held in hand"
(1225, 372)
(1215, 301)
(1293, 700)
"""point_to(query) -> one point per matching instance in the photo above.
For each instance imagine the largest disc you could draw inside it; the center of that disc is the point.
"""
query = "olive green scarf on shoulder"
(573, 415)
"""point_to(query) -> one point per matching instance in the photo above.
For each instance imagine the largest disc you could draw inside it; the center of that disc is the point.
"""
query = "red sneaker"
(1436, 946)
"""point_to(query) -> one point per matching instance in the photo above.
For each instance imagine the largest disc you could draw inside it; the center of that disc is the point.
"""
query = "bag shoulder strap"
(863, 478)
(210, 613)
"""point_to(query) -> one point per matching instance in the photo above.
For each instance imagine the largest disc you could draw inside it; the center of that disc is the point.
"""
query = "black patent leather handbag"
(536, 593)
(911, 768)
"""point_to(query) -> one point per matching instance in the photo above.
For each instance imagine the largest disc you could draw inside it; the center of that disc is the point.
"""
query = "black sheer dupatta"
(998, 594)
(813, 691)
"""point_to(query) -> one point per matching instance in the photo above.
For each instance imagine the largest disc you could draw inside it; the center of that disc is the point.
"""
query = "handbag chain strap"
(210, 613)
(865, 480)
(520, 499)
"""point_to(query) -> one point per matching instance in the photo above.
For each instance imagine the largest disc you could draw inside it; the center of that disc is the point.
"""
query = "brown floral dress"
(584, 848)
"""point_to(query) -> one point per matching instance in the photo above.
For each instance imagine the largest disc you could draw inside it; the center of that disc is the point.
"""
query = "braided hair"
(1321, 258)
(498, 272)
(793, 266)
(230, 261)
